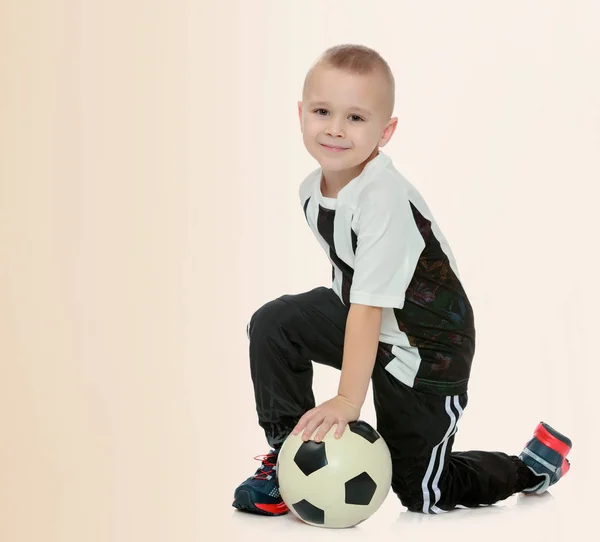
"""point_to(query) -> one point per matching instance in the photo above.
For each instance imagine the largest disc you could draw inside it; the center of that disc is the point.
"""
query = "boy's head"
(347, 101)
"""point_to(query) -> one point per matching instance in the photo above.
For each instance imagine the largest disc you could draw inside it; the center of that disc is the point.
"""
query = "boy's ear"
(300, 113)
(390, 128)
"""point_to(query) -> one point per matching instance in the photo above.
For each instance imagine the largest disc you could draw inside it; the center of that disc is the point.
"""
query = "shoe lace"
(268, 462)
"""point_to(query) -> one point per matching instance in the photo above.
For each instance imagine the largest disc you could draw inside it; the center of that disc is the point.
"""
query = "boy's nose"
(335, 129)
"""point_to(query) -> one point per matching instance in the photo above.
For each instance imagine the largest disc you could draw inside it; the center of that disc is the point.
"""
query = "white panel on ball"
(338, 482)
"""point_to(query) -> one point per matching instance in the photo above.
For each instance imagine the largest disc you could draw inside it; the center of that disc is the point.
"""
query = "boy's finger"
(323, 430)
(298, 427)
(341, 426)
(311, 426)
(302, 422)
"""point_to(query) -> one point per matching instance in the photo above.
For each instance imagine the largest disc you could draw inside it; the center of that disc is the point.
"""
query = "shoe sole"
(243, 502)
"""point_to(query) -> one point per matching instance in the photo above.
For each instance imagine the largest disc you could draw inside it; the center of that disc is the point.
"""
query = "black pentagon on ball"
(364, 430)
(360, 489)
(309, 512)
(311, 457)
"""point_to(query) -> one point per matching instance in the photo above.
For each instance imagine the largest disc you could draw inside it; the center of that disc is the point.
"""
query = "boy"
(396, 314)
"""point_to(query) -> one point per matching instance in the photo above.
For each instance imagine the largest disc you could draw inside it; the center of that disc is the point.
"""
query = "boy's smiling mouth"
(334, 148)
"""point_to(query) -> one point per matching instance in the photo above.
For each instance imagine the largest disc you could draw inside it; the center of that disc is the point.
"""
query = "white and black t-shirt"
(387, 250)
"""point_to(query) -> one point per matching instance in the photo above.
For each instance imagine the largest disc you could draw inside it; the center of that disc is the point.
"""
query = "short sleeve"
(306, 186)
(388, 249)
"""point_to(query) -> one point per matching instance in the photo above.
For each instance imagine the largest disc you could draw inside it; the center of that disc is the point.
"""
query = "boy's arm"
(363, 326)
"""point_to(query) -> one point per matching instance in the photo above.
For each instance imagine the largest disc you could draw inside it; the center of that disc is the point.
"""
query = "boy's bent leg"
(428, 477)
(285, 335)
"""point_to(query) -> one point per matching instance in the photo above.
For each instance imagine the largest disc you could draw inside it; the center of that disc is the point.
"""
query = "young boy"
(396, 314)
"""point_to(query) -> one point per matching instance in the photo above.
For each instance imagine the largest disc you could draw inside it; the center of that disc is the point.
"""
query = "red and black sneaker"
(259, 494)
(546, 455)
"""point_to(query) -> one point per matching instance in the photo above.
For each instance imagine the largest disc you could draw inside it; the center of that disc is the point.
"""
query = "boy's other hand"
(337, 411)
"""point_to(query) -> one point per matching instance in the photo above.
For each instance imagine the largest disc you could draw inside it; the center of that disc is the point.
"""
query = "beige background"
(150, 156)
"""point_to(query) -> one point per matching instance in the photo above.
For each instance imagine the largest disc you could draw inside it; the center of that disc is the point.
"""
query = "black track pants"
(290, 332)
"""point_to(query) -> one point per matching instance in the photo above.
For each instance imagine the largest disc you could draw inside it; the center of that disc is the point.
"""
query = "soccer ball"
(336, 482)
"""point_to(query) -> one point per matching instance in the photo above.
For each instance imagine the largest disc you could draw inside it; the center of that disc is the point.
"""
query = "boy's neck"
(333, 181)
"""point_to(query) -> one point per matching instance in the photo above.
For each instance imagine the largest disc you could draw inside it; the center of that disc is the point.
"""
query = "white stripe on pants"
(429, 507)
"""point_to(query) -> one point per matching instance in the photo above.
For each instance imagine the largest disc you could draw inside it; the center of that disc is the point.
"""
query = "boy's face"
(345, 110)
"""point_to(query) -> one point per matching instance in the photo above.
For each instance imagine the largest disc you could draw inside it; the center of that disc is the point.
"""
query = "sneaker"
(546, 455)
(259, 494)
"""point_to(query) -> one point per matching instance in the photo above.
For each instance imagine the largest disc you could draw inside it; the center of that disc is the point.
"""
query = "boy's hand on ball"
(337, 411)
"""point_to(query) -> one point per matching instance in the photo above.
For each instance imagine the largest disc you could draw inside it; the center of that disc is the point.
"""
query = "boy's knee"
(273, 314)
(410, 496)
(407, 484)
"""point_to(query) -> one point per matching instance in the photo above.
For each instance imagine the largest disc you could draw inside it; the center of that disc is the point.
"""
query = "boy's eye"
(354, 117)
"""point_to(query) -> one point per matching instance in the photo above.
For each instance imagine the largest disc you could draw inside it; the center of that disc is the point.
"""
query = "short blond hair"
(358, 59)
